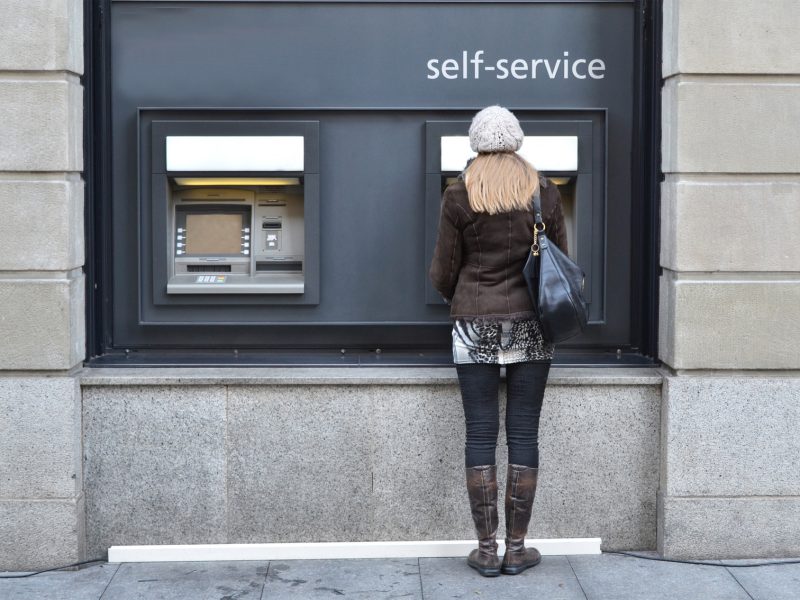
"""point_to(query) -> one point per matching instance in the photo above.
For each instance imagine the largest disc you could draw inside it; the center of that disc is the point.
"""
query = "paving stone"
(449, 578)
(770, 582)
(85, 584)
(214, 580)
(608, 576)
(369, 578)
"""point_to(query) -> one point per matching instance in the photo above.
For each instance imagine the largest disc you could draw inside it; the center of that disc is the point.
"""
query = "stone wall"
(359, 454)
(41, 283)
(730, 289)
(729, 324)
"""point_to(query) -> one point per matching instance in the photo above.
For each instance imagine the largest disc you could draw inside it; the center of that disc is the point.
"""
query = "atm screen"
(212, 231)
(213, 234)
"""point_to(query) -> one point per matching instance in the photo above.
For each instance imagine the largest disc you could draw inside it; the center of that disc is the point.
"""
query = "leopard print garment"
(499, 341)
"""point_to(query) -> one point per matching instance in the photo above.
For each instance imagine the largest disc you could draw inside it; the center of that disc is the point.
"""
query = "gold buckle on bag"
(535, 245)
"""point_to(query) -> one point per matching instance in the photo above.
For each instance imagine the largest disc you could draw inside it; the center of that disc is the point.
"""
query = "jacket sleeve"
(446, 262)
(556, 227)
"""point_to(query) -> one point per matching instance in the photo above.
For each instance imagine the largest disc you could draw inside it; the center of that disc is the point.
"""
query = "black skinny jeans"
(479, 384)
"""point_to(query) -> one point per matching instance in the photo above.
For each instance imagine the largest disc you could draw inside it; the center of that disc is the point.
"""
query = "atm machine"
(570, 153)
(554, 156)
(230, 211)
(242, 237)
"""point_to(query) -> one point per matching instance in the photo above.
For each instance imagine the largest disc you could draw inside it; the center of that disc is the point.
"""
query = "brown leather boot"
(520, 490)
(482, 489)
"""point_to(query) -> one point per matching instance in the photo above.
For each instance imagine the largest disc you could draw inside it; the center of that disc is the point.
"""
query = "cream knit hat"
(495, 129)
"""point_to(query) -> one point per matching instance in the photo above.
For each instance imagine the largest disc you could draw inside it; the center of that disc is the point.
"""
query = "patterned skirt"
(499, 341)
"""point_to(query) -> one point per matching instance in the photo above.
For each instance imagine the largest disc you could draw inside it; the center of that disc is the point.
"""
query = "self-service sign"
(362, 54)
(475, 64)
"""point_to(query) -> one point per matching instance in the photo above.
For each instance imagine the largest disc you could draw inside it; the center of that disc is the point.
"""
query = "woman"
(485, 234)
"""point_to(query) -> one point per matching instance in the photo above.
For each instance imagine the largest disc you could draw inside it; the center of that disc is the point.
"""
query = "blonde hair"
(500, 182)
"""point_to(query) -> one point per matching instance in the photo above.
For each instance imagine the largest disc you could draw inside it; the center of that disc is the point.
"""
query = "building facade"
(670, 428)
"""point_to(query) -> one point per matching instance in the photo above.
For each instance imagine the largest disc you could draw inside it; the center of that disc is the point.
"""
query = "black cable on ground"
(708, 564)
(673, 560)
(53, 569)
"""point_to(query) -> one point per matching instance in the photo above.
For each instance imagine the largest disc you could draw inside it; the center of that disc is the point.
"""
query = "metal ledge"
(345, 376)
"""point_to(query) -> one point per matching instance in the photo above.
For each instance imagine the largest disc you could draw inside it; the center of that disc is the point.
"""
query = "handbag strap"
(537, 207)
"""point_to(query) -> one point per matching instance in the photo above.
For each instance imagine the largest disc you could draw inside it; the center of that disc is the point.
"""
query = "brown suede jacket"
(478, 259)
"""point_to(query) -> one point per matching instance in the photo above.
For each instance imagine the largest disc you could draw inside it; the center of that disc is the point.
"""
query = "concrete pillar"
(730, 288)
(41, 283)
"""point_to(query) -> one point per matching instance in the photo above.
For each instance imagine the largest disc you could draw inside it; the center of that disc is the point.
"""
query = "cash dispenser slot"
(279, 266)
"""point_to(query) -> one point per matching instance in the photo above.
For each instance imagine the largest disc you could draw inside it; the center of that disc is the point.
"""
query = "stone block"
(713, 224)
(41, 534)
(331, 462)
(594, 482)
(154, 470)
(743, 321)
(299, 464)
(42, 224)
(707, 528)
(419, 483)
(719, 36)
(586, 470)
(40, 449)
(42, 35)
(713, 436)
(729, 125)
(41, 123)
(42, 324)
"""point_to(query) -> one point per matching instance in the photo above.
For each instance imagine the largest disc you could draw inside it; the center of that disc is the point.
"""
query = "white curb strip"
(320, 550)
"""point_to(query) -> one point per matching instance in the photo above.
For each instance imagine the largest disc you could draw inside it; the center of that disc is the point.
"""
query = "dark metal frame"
(646, 178)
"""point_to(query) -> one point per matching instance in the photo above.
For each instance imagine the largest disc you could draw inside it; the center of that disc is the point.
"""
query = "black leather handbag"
(555, 283)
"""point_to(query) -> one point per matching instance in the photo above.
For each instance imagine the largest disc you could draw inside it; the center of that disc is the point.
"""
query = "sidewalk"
(586, 577)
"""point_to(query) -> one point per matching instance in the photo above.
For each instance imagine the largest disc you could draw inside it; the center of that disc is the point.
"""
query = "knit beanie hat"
(495, 129)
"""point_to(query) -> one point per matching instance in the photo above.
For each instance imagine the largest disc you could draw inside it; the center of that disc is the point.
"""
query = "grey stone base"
(41, 534)
(41, 506)
(730, 484)
(748, 527)
(323, 462)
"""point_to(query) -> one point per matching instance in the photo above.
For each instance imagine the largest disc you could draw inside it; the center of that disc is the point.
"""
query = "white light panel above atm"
(235, 153)
(545, 152)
